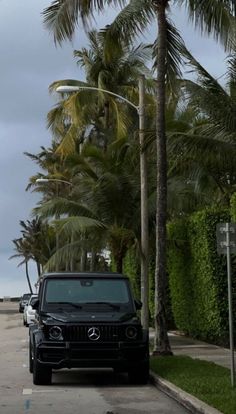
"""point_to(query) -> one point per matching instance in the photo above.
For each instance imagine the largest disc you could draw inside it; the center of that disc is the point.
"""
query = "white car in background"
(29, 312)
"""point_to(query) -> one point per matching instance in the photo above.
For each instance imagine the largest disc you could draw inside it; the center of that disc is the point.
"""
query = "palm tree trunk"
(83, 260)
(27, 277)
(93, 260)
(119, 264)
(161, 342)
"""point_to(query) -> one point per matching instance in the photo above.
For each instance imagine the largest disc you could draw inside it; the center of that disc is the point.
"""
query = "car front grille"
(108, 333)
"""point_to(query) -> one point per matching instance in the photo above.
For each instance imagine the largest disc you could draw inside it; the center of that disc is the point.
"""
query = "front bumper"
(120, 355)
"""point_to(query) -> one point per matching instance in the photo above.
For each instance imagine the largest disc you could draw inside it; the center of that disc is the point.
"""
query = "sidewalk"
(182, 345)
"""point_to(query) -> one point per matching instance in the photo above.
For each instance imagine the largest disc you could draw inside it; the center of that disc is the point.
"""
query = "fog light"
(131, 332)
(55, 332)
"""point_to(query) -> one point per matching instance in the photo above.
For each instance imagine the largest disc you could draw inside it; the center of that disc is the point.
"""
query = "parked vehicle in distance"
(29, 312)
(87, 320)
(24, 301)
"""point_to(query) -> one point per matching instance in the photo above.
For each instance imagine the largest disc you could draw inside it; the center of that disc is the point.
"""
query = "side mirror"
(138, 304)
(35, 304)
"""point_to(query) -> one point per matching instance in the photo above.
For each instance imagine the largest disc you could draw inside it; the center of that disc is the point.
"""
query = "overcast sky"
(29, 63)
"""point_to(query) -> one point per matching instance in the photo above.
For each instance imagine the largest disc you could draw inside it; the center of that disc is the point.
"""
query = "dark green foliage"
(152, 282)
(233, 207)
(131, 268)
(198, 277)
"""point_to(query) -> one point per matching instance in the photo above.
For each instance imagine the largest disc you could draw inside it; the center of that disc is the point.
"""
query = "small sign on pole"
(226, 244)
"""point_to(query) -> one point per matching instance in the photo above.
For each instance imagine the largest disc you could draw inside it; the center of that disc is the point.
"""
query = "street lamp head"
(68, 89)
(52, 180)
(42, 180)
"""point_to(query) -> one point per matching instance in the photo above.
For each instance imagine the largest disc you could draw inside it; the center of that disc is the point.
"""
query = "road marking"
(24, 366)
(27, 391)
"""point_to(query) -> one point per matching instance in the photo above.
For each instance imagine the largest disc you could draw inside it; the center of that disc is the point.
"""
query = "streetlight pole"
(143, 186)
(144, 209)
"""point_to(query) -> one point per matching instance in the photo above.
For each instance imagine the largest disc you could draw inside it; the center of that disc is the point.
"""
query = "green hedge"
(197, 276)
(131, 268)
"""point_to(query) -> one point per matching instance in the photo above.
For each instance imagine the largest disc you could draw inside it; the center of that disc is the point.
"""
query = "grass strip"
(205, 380)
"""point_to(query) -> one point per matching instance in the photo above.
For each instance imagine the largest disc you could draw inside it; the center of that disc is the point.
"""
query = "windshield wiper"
(112, 305)
(75, 305)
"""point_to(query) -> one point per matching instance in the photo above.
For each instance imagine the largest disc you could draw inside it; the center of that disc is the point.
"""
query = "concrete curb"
(193, 404)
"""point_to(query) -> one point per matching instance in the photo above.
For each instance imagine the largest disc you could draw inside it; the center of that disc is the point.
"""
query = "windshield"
(110, 292)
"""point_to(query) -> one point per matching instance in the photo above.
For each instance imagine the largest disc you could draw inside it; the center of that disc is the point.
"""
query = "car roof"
(82, 275)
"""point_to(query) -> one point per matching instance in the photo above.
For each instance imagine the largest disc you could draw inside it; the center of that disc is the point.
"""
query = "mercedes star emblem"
(94, 333)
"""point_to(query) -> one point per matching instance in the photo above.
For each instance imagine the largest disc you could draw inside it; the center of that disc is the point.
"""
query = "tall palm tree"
(211, 16)
(100, 113)
(36, 243)
(22, 249)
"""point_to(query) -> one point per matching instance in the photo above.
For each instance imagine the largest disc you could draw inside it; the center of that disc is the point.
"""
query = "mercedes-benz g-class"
(87, 320)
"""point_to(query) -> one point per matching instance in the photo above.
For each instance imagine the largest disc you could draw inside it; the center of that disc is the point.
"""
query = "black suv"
(87, 320)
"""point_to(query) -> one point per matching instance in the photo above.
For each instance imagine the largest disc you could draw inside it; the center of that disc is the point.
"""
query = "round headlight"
(55, 332)
(131, 332)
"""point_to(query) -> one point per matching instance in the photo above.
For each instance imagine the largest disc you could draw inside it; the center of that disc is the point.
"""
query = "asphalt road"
(72, 391)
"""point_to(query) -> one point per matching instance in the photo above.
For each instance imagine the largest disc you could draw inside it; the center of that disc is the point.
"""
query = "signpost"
(226, 244)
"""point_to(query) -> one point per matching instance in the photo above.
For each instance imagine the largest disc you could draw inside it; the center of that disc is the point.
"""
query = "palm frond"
(130, 22)
(60, 206)
(214, 17)
(208, 97)
(76, 225)
(62, 16)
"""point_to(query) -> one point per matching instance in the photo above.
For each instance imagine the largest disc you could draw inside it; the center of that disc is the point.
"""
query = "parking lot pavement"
(72, 391)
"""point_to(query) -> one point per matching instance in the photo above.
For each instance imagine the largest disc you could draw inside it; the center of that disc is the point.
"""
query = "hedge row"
(198, 277)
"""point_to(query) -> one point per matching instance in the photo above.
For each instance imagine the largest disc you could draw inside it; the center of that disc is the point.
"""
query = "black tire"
(42, 375)
(24, 321)
(31, 359)
(139, 374)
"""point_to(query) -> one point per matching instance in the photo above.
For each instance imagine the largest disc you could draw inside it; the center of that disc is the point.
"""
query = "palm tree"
(36, 243)
(23, 250)
(108, 194)
(210, 16)
(100, 117)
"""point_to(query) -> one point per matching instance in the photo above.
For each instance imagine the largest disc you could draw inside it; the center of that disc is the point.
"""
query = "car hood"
(78, 317)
